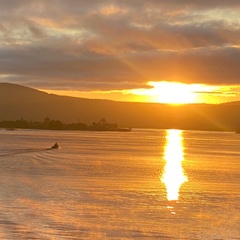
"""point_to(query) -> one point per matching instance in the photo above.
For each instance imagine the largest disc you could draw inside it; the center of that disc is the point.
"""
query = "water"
(118, 185)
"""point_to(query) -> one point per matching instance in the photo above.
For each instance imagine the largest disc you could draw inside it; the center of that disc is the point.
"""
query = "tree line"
(50, 124)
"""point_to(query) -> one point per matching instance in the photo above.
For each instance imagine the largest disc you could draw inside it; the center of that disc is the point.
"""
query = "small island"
(49, 124)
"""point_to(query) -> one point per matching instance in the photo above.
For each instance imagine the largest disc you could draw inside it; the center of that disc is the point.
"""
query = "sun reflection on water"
(173, 176)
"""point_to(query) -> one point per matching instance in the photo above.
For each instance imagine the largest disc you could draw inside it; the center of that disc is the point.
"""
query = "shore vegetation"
(50, 124)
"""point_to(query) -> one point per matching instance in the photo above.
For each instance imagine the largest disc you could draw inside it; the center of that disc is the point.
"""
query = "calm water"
(146, 184)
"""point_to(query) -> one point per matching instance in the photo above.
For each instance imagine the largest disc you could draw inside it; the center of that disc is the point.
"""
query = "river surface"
(144, 184)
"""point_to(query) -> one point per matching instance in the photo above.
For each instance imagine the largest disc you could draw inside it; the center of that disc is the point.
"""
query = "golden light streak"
(174, 176)
(117, 95)
(180, 93)
(158, 91)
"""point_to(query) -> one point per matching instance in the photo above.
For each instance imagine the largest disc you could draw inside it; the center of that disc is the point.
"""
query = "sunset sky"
(125, 50)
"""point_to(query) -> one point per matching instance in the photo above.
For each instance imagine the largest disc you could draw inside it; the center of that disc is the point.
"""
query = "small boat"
(55, 146)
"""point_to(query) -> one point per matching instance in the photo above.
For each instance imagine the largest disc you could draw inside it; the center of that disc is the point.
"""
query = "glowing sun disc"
(173, 93)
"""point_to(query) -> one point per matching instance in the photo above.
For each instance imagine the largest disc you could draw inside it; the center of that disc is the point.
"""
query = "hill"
(30, 104)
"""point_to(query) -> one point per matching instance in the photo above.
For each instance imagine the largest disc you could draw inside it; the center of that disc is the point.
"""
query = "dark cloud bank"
(104, 45)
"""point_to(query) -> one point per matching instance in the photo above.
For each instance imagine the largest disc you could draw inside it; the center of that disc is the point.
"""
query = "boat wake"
(26, 150)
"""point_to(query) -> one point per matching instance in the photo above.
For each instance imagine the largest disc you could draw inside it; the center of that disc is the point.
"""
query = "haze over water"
(145, 184)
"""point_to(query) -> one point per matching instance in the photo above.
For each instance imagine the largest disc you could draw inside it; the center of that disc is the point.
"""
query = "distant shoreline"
(101, 126)
(49, 124)
(65, 129)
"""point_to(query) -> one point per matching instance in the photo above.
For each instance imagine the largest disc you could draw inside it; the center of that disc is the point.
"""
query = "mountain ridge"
(17, 101)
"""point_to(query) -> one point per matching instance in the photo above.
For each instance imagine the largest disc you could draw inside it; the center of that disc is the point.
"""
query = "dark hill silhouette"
(22, 102)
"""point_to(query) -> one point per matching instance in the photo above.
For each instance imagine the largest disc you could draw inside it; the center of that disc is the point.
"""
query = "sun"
(173, 92)
(182, 93)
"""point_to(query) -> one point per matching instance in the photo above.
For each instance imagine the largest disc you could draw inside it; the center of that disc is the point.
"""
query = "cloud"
(114, 45)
